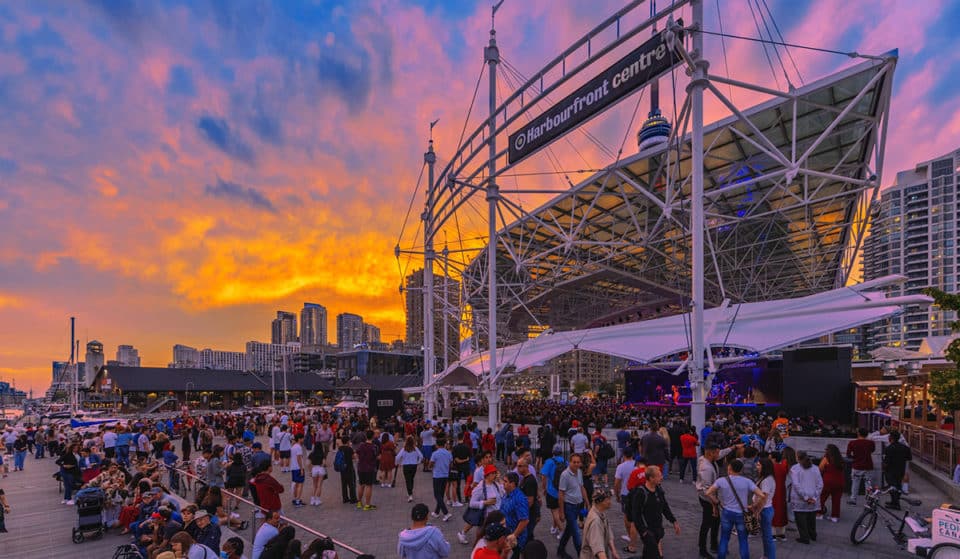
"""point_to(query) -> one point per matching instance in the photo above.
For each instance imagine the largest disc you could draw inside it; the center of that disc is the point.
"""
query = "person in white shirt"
(296, 470)
(275, 443)
(267, 531)
(284, 444)
(485, 496)
(579, 442)
(408, 458)
(110, 443)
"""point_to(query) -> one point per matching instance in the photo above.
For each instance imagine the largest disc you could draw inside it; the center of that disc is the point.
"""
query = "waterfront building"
(222, 360)
(914, 233)
(267, 358)
(184, 357)
(446, 295)
(284, 328)
(349, 331)
(364, 362)
(94, 360)
(128, 356)
(313, 324)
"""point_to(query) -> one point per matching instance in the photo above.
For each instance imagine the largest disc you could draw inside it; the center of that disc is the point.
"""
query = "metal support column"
(429, 335)
(698, 407)
(491, 55)
(446, 308)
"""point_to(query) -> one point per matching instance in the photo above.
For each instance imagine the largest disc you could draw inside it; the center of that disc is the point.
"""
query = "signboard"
(648, 61)
(385, 403)
(946, 526)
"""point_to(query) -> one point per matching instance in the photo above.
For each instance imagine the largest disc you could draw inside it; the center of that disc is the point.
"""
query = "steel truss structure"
(770, 202)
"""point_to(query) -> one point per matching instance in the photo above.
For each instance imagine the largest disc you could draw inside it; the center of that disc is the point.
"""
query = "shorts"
(296, 476)
(553, 503)
(284, 454)
(366, 478)
(318, 471)
(276, 446)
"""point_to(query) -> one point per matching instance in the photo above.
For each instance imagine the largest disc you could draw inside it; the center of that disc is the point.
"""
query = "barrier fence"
(935, 447)
(197, 482)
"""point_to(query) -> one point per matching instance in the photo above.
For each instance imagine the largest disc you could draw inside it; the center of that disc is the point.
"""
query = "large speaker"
(385, 403)
(818, 381)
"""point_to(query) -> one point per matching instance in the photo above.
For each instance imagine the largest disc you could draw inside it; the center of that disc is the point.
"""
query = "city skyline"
(207, 166)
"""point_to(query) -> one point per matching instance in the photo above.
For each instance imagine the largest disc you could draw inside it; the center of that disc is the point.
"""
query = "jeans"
(39, 454)
(709, 524)
(409, 471)
(439, 486)
(856, 476)
(348, 486)
(67, 478)
(123, 455)
(572, 528)
(18, 458)
(729, 520)
(533, 520)
(766, 533)
(692, 462)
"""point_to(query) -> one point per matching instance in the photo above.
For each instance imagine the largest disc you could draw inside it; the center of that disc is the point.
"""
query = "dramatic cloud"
(210, 162)
(234, 191)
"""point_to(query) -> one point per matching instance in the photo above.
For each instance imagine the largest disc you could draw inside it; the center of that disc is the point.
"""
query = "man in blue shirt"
(124, 437)
(549, 489)
(704, 433)
(623, 437)
(440, 462)
(516, 510)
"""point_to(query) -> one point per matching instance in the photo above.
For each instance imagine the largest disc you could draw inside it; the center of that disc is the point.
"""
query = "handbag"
(750, 519)
(474, 517)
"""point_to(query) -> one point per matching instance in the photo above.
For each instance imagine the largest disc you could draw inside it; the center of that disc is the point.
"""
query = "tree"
(945, 384)
(579, 388)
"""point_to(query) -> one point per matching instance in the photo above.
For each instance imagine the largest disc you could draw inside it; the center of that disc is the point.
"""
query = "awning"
(757, 327)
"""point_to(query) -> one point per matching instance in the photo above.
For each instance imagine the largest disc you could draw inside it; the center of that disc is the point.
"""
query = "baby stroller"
(90, 502)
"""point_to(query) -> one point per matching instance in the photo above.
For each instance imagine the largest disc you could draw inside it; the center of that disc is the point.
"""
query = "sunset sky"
(177, 171)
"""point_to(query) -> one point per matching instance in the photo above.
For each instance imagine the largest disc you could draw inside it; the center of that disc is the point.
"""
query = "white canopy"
(350, 404)
(758, 327)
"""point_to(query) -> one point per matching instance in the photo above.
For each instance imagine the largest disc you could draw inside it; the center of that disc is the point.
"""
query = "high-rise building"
(184, 357)
(446, 296)
(914, 233)
(313, 324)
(128, 356)
(284, 328)
(59, 370)
(266, 358)
(349, 330)
(371, 334)
(222, 360)
(94, 360)
(583, 366)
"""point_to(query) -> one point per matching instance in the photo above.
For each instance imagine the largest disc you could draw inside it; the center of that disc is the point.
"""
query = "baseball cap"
(419, 512)
(495, 531)
(257, 445)
(557, 449)
(489, 469)
(201, 514)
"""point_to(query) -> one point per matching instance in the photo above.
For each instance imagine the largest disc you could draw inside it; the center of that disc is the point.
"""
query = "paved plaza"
(40, 526)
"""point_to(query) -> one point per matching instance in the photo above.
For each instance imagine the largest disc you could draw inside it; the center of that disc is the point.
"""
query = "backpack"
(605, 452)
(339, 461)
(558, 467)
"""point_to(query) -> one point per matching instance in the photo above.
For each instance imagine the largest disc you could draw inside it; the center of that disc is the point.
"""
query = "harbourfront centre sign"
(648, 61)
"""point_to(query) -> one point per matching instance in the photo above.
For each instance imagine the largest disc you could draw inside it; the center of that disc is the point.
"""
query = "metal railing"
(935, 447)
(198, 481)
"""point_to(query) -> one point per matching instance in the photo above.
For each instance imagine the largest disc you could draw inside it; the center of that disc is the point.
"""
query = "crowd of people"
(561, 474)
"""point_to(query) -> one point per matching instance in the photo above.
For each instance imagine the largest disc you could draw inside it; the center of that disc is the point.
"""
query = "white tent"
(350, 404)
(757, 327)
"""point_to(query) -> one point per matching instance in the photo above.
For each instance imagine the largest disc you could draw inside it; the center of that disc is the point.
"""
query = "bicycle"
(865, 523)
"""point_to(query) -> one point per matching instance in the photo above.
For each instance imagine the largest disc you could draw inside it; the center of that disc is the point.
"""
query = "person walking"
(708, 471)
(69, 462)
(297, 464)
(343, 464)
(388, 462)
(648, 509)
(831, 469)
(420, 540)
(551, 482)
(734, 491)
(688, 453)
(654, 447)
(485, 497)
(440, 462)
(409, 458)
(318, 472)
(620, 491)
(807, 484)
(597, 533)
(860, 452)
(572, 497)
(895, 459)
(768, 485)
(516, 509)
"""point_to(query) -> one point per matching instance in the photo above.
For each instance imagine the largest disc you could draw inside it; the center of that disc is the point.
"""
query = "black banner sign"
(648, 61)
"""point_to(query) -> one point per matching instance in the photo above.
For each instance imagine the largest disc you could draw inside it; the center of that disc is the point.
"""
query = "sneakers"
(409, 498)
(370, 507)
(834, 519)
(624, 537)
(69, 503)
(456, 504)
(447, 517)
(462, 538)
(297, 503)
(359, 506)
(434, 515)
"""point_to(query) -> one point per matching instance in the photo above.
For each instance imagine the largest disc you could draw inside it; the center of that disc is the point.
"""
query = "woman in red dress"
(388, 454)
(781, 474)
(831, 468)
